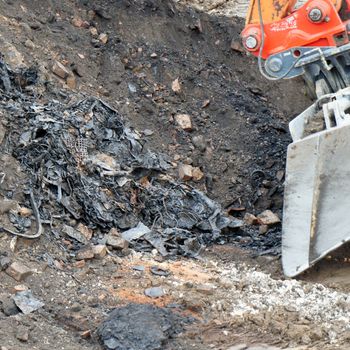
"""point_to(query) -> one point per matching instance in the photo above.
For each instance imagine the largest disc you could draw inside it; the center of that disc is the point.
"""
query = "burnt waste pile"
(84, 165)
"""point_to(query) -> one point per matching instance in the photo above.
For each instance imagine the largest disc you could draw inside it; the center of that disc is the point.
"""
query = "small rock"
(29, 44)
(154, 55)
(85, 231)
(20, 288)
(238, 347)
(79, 264)
(280, 175)
(93, 31)
(263, 229)
(205, 103)
(140, 268)
(199, 142)
(77, 22)
(137, 232)
(103, 37)
(26, 302)
(148, 132)
(250, 219)
(4, 263)
(73, 233)
(185, 172)
(85, 253)
(197, 174)
(86, 334)
(25, 212)
(205, 289)
(9, 307)
(115, 240)
(18, 271)
(155, 292)
(60, 70)
(71, 82)
(22, 334)
(267, 217)
(184, 121)
(100, 251)
(175, 86)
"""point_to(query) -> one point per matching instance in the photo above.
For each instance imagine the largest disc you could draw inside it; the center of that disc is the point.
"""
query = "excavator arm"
(312, 41)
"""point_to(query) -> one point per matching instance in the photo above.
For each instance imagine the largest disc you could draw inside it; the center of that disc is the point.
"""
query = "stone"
(175, 85)
(25, 212)
(4, 263)
(184, 121)
(100, 251)
(136, 232)
(85, 231)
(85, 253)
(93, 31)
(199, 142)
(18, 271)
(197, 174)
(60, 70)
(103, 37)
(77, 22)
(155, 292)
(115, 240)
(86, 334)
(71, 81)
(263, 229)
(73, 233)
(185, 172)
(2, 132)
(79, 264)
(205, 289)
(29, 44)
(8, 307)
(22, 334)
(20, 288)
(238, 347)
(154, 55)
(269, 218)
(26, 302)
(250, 219)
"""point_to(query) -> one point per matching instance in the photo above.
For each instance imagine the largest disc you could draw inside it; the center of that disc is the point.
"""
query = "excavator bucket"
(316, 217)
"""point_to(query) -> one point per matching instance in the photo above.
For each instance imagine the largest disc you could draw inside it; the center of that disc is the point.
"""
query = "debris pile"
(87, 167)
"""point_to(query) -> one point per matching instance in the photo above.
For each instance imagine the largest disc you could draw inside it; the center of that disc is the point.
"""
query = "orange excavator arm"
(274, 10)
(311, 41)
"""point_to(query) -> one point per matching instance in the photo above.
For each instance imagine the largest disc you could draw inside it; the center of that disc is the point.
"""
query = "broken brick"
(18, 271)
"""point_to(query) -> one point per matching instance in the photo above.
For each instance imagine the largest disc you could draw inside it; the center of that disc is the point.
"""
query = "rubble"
(18, 271)
(268, 218)
(184, 121)
(26, 302)
(99, 251)
(185, 172)
(60, 70)
(155, 292)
